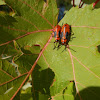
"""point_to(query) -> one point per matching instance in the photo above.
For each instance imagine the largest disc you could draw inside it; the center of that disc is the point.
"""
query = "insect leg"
(54, 46)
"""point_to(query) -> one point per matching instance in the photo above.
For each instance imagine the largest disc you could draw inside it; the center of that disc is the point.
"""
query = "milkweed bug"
(56, 33)
(65, 34)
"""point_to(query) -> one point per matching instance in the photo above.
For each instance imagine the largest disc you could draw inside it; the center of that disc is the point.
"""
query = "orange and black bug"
(56, 33)
(65, 34)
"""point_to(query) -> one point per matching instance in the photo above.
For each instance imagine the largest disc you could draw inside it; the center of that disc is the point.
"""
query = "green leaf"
(86, 60)
(8, 88)
(81, 61)
(27, 94)
(21, 39)
(67, 93)
(2, 2)
(56, 69)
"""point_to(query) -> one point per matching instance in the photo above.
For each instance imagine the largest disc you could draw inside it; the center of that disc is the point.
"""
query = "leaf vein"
(71, 56)
(13, 79)
(87, 68)
(37, 12)
(24, 36)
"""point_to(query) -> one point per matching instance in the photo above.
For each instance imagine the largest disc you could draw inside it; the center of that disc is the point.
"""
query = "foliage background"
(58, 74)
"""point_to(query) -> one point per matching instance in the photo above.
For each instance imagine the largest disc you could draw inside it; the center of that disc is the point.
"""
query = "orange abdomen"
(65, 31)
(56, 32)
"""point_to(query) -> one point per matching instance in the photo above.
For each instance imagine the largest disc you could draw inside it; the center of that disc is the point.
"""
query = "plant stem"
(95, 3)
(33, 66)
(81, 4)
(73, 3)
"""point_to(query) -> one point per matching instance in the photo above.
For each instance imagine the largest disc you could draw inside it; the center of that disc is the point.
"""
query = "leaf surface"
(86, 59)
(81, 61)
(55, 67)
(21, 39)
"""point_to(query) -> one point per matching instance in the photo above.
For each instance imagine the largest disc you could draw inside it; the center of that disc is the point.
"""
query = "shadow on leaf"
(98, 48)
(5, 23)
(42, 80)
(90, 93)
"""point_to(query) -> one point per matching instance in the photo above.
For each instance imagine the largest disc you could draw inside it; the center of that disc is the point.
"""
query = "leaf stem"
(81, 4)
(6, 73)
(32, 67)
(71, 57)
(95, 3)
(13, 79)
(28, 33)
(73, 3)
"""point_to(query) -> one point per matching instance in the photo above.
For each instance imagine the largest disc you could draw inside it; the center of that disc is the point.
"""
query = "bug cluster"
(62, 35)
